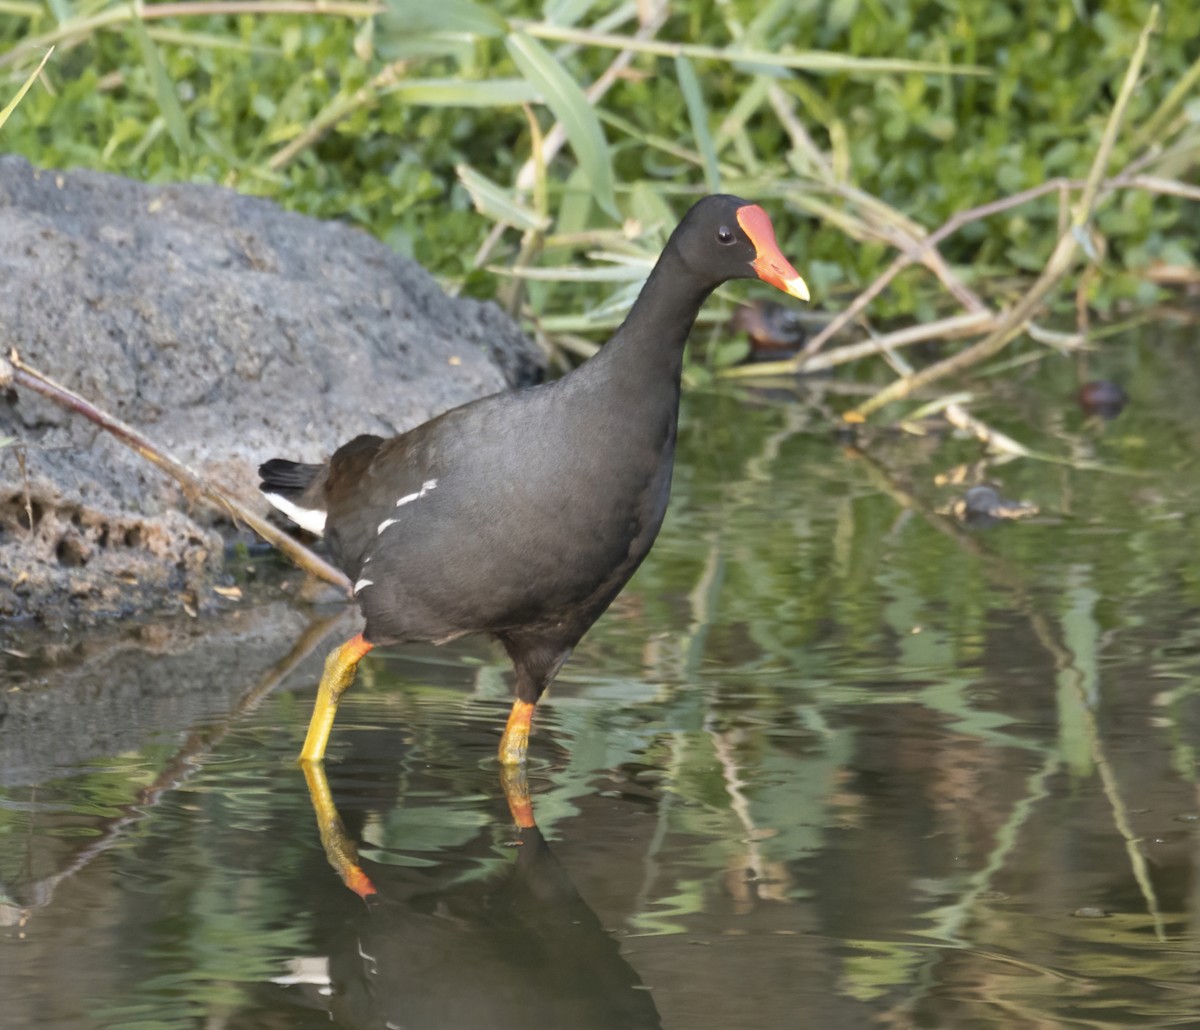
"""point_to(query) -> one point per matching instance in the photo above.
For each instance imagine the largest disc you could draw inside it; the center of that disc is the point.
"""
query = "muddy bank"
(226, 329)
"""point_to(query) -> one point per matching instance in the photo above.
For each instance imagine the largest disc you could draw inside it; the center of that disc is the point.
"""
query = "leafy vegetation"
(862, 125)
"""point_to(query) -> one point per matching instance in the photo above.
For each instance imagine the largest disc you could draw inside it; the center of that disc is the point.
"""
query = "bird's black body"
(522, 515)
(531, 551)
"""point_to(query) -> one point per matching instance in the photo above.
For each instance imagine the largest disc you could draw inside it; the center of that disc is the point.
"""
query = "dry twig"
(1013, 322)
(13, 370)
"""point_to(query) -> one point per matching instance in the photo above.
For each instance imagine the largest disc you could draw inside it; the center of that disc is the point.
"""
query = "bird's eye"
(725, 235)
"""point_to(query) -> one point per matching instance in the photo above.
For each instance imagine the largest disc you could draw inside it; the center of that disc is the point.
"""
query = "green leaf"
(61, 10)
(817, 61)
(401, 46)
(494, 201)
(728, 353)
(575, 206)
(463, 93)
(698, 113)
(12, 104)
(839, 14)
(209, 40)
(651, 209)
(421, 17)
(566, 12)
(568, 274)
(164, 90)
(573, 110)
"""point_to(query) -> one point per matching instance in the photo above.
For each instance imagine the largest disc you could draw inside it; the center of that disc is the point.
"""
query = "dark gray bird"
(522, 515)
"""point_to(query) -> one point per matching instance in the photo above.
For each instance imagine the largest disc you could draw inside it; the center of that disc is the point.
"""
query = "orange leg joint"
(340, 668)
(515, 741)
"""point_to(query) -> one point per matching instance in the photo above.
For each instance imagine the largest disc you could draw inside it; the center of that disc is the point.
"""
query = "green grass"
(851, 121)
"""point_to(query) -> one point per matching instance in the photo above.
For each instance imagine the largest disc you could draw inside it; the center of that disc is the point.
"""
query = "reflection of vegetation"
(936, 605)
(821, 715)
(232, 935)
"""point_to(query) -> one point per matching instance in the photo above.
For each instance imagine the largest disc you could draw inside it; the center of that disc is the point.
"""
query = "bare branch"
(14, 370)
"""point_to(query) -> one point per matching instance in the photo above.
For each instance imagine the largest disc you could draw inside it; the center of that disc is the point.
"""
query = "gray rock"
(227, 330)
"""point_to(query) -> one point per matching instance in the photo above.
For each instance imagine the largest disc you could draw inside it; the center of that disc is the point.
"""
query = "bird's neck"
(648, 347)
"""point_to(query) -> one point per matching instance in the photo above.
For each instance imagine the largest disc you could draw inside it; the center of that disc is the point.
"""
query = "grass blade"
(61, 10)
(698, 113)
(564, 97)
(494, 201)
(567, 12)
(209, 41)
(12, 104)
(21, 9)
(462, 93)
(817, 61)
(164, 90)
(570, 274)
(419, 17)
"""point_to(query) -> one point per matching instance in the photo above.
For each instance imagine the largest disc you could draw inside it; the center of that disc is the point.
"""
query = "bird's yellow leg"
(340, 667)
(515, 741)
(339, 848)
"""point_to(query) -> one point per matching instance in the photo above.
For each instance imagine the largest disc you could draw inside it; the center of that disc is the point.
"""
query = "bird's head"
(724, 237)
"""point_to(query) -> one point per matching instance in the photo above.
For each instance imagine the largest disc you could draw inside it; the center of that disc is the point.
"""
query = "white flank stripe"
(426, 487)
(363, 583)
(312, 519)
(307, 970)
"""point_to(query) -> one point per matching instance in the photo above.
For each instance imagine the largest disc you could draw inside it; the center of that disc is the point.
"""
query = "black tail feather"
(286, 478)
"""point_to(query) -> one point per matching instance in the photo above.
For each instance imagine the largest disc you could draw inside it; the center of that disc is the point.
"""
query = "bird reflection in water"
(521, 949)
(775, 331)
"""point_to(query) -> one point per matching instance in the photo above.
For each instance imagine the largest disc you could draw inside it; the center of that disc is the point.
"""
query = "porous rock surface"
(228, 331)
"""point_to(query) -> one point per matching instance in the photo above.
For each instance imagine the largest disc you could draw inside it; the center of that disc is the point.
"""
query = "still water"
(833, 759)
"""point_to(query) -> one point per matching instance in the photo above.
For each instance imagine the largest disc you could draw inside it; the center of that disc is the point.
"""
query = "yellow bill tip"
(796, 288)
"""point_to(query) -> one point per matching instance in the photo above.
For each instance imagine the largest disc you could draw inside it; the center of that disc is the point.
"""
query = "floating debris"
(983, 506)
